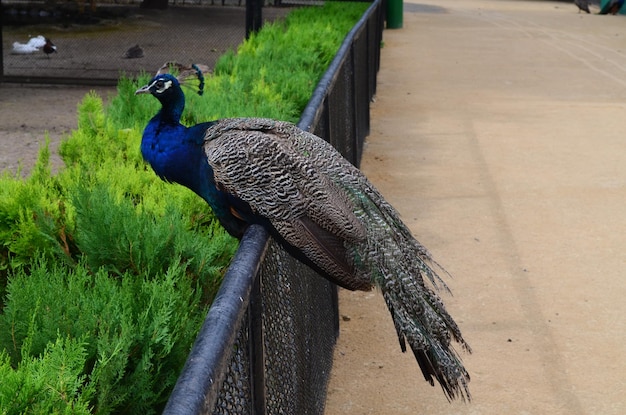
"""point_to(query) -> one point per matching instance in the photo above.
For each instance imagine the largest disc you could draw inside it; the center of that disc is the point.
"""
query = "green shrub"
(126, 337)
(106, 272)
(51, 383)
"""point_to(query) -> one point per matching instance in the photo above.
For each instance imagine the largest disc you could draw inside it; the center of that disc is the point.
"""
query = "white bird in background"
(32, 46)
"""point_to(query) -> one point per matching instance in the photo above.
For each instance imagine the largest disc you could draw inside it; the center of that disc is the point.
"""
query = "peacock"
(134, 52)
(612, 7)
(317, 205)
(583, 5)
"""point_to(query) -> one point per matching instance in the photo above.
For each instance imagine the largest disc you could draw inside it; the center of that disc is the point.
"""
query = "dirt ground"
(498, 132)
(28, 112)
(96, 51)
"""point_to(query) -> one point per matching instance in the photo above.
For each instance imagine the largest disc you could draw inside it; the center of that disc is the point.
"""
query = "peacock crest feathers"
(185, 73)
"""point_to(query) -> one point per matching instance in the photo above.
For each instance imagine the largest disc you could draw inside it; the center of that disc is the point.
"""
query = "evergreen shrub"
(106, 272)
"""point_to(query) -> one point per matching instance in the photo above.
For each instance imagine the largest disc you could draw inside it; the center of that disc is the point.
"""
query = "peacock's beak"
(143, 90)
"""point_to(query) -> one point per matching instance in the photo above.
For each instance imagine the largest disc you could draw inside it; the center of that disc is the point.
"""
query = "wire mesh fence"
(97, 44)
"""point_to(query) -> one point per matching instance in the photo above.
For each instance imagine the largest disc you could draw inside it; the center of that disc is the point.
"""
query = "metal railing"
(266, 346)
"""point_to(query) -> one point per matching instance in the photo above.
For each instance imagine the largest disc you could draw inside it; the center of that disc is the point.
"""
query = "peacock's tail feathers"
(421, 320)
(327, 209)
(400, 267)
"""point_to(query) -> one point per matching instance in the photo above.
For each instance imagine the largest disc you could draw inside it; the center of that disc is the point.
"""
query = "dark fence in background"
(266, 346)
(98, 41)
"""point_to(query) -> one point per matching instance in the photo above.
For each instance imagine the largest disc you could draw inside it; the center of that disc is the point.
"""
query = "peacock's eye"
(160, 85)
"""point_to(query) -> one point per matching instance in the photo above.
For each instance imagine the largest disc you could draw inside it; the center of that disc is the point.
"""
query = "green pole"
(394, 14)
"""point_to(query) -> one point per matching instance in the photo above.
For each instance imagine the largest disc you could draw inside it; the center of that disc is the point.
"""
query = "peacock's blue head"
(167, 89)
(164, 87)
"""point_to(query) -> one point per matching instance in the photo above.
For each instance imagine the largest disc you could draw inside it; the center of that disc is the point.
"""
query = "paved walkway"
(499, 132)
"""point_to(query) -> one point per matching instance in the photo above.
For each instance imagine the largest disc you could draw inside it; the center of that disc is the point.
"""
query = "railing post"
(257, 348)
(1, 43)
(254, 16)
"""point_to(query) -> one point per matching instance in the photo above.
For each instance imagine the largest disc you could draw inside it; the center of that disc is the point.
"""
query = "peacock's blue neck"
(172, 108)
(176, 154)
(170, 147)
(171, 153)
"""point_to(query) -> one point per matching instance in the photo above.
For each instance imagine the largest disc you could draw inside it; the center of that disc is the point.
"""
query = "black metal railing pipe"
(202, 375)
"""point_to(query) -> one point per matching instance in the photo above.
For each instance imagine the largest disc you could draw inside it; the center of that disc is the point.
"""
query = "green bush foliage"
(120, 342)
(106, 272)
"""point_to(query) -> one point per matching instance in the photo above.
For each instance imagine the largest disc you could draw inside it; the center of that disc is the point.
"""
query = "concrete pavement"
(499, 133)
